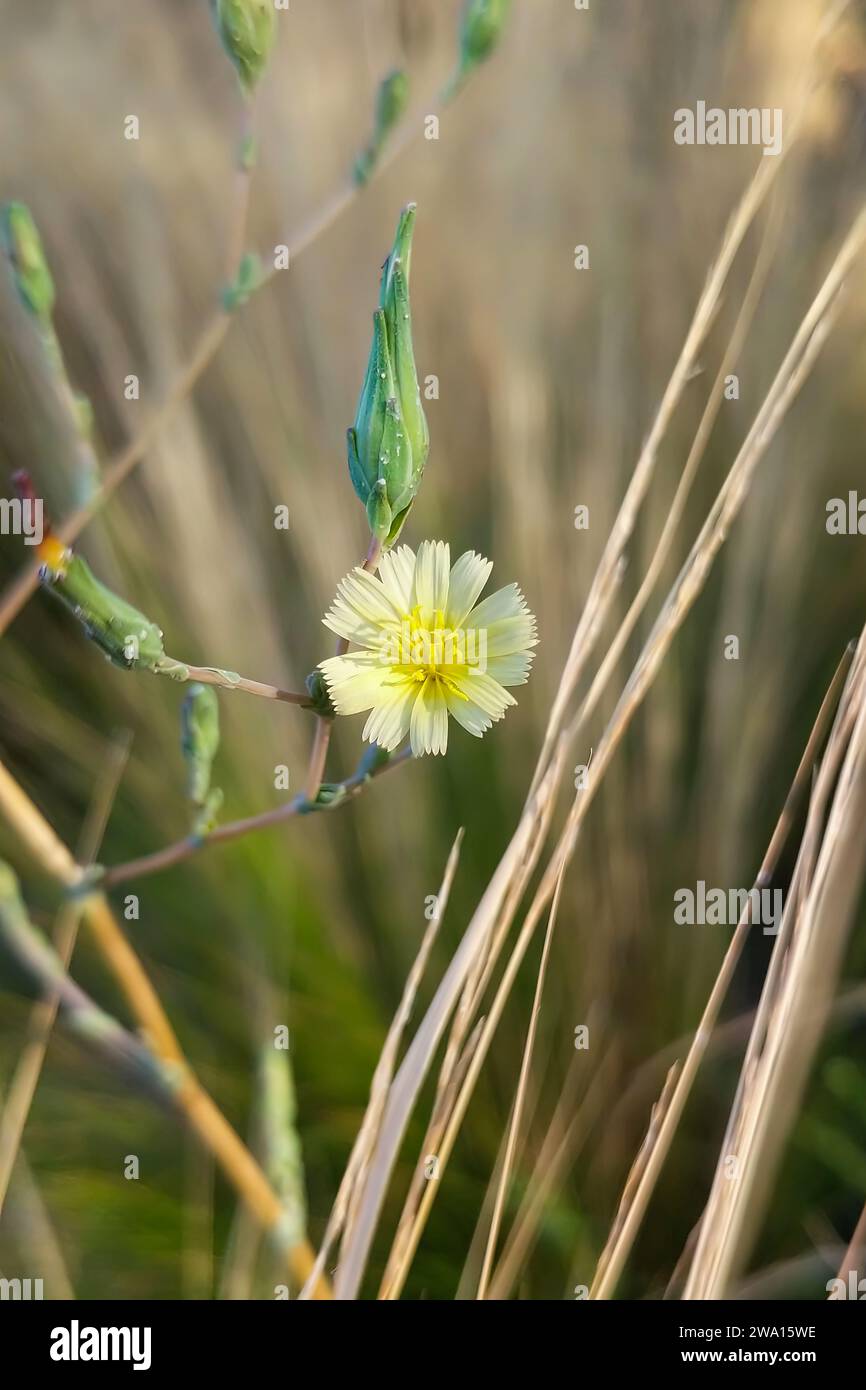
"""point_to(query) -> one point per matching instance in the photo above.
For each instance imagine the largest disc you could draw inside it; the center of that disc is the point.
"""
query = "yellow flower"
(426, 648)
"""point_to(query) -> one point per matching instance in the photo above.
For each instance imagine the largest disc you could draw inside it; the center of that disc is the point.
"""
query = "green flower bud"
(22, 245)
(320, 700)
(480, 31)
(200, 739)
(389, 442)
(126, 637)
(249, 277)
(374, 759)
(246, 29)
(391, 101)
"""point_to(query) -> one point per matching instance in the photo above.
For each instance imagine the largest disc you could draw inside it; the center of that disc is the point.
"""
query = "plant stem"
(184, 849)
(322, 736)
(230, 680)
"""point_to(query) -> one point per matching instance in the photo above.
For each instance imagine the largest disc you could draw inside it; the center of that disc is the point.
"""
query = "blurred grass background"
(548, 381)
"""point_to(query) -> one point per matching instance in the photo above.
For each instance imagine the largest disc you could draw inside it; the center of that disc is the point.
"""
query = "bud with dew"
(126, 637)
(389, 442)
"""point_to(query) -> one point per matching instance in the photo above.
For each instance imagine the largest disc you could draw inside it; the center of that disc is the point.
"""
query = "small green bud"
(329, 794)
(127, 637)
(373, 761)
(22, 245)
(246, 29)
(200, 739)
(391, 101)
(389, 442)
(320, 700)
(249, 277)
(480, 31)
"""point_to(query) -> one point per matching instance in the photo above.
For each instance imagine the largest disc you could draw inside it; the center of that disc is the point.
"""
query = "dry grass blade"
(636, 1174)
(617, 1250)
(344, 1211)
(794, 370)
(25, 1078)
(519, 1098)
(786, 1033)
(410, 1077)
(203, 1116)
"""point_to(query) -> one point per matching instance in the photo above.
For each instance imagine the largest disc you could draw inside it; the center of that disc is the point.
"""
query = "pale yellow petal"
(472, 719)
(354, 682)
(362, 610)
(430, 585)
(507, 622)
(368, 596)
(511, 670)
(485, 692)
(469, 574)
(504, 603)
(428, 728)
(396, 571)
(388, 723)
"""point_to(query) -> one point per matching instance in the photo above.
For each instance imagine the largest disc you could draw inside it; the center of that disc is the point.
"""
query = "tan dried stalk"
(203, 1116)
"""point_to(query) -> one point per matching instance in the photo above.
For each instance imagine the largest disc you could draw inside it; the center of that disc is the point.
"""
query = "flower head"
(426, 648)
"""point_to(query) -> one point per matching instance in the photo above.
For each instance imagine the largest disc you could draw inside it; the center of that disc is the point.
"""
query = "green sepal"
(320, 699)
(379, 515)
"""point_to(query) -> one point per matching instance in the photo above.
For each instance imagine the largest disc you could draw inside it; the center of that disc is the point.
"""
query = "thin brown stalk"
(199, 1110)
(25, 1077)
(517, 1108)
(230, 680)
(795, 1001)
(185, 849)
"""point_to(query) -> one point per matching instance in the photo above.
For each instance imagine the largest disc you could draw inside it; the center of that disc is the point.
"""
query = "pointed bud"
(127, 637)
(249, 277)
(22, 246)
(389, 442)
(481, 27)
(200, 739)
(391, 101)
(246, 29)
